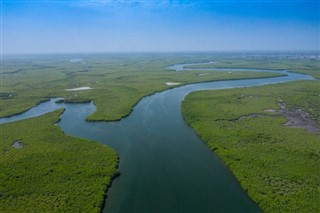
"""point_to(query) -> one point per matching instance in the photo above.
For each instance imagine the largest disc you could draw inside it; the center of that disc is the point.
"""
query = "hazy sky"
(58, 26)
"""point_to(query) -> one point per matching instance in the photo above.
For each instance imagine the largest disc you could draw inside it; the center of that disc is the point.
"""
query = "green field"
(119, 80)
(52, 172)
(279, 167)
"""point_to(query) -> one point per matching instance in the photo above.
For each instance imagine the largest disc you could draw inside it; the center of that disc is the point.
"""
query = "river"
(164, 165)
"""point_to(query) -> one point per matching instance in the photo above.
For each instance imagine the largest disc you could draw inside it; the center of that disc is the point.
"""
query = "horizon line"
(186, 51)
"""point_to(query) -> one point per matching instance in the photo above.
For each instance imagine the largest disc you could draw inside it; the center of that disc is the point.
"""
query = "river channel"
(164, 165)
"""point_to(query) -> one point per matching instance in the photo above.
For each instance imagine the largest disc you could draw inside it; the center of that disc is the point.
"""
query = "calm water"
(164, 165)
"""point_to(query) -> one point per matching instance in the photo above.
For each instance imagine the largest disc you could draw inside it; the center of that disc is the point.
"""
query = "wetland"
(164, 165)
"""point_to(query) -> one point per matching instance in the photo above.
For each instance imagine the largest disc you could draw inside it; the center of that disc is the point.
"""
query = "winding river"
(164, 165)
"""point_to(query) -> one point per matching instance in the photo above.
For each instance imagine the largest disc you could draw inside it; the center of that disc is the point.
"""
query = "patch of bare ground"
(297, 118)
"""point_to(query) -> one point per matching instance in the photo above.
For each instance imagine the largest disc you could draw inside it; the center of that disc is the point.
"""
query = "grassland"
(49, 171)
(119, 80)
(279, 167)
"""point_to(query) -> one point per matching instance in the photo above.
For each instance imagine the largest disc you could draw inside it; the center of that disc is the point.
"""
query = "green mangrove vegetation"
(118, 81)
(278, 166)
(44, 170)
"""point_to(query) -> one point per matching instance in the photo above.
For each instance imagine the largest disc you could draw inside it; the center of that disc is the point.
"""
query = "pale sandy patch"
(172, 83)
(79, 89)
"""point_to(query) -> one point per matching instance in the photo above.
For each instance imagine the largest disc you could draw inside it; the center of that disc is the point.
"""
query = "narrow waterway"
(164, 165)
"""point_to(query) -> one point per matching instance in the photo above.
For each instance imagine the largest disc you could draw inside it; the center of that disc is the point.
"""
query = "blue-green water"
(164, 165)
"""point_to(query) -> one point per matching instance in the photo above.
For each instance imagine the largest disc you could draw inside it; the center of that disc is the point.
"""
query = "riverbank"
(240, 76)
(277, 166)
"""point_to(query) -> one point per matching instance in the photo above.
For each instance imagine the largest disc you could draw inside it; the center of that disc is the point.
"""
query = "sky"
(78, 26)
